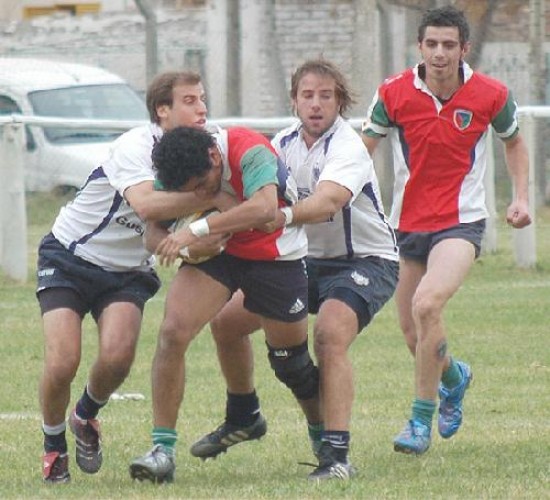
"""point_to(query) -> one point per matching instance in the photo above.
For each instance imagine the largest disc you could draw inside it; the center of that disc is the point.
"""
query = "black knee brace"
(294, 367)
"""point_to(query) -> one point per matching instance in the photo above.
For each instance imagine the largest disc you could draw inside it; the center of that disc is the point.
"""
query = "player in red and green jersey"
(438, 114)
(268, 268)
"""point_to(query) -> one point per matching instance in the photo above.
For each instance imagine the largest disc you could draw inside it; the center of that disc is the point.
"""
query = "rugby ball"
(183, 223)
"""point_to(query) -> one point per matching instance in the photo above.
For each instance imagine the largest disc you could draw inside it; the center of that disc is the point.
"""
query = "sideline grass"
(498, 322)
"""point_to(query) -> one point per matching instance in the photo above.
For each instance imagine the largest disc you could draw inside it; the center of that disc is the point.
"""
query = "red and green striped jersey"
(439, 149)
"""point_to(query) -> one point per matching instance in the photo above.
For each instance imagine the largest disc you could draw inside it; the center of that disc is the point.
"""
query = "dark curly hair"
(445, 17)
(181, 155)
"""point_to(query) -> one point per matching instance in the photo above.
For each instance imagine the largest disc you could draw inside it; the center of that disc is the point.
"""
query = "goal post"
(13, 214)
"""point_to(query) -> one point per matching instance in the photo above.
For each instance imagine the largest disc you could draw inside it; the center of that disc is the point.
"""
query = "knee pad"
(294, 367)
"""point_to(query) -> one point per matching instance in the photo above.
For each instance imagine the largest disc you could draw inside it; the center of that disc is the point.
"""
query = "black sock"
(339, 442)
(86, 407)
(55, 442)
(242, 409)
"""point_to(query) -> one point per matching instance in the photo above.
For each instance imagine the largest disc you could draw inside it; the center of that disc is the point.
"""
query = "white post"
(13, 227)
(525, 239)
(216, 57)
(490, 239)
(251, 49)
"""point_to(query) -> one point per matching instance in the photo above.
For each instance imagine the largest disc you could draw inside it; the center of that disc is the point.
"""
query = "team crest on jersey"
(462, 118)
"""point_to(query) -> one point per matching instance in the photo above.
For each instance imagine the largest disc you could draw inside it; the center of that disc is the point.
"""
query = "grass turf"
(497, 322)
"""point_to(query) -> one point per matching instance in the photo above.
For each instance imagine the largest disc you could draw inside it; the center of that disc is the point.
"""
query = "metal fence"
(14, 144)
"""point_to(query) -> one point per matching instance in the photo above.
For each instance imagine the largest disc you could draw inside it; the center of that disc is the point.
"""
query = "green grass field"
(498, 322)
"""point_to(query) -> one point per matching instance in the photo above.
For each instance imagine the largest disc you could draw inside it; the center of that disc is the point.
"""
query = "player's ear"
(465, 49)
(162, 112)
(215, 156)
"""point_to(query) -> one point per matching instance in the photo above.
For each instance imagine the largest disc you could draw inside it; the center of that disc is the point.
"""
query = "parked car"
(60, 158)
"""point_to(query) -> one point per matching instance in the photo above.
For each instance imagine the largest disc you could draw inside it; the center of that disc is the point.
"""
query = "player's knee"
(427, 307)
(226, 333)
(61, 372)
(217, 328)
(294, 367)
(175, 336)
(116, 365)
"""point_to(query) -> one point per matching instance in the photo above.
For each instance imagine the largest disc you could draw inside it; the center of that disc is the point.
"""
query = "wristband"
(199, 228)
(184, 252)
(287, 212)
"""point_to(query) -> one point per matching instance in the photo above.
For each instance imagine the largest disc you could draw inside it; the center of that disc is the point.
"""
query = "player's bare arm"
(328, 198)
(151, 204)
(370, 143)
(155, 232)
(517, 160)
(260, 208)
(321, 206)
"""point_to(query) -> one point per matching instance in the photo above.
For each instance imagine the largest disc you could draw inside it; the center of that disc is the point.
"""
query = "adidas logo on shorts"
(297, 307)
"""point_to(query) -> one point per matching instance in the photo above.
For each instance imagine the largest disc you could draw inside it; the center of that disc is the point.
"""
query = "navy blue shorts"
(364, 284)
(65, 280)
(272, 289)
(417, 246)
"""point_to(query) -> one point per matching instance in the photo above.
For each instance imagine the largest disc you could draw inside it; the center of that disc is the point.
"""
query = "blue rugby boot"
(415, 438)
(450, 407)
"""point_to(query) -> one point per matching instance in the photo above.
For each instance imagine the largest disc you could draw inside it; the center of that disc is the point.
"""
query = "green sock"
(166, 438)
(314, 431)
(423, 411)
(452, 376)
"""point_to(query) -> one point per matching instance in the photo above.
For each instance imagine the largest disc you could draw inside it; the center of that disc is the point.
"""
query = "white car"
(61, 158)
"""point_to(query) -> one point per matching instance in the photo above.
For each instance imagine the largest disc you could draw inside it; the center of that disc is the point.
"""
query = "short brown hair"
(160, 91)
(324, 68)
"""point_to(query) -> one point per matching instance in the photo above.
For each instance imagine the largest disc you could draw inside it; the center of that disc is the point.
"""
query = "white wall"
(12, 10)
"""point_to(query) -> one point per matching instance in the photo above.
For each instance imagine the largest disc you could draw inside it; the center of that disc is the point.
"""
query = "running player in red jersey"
(438, 114)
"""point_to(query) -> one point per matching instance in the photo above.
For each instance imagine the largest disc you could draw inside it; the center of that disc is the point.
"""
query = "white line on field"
(20, 416)
(509, 284)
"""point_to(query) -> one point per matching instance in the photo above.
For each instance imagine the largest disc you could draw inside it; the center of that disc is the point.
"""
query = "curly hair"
(447, 16)
(182, 154)
(323, 67)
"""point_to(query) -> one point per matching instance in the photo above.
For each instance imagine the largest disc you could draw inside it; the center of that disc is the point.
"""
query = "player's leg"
(349, 299)
(291, 361)
(278, 291)
(231, 329)
(117, 307)
(438, 285)
(410, 274)
(336, 327)
(193, 299)
(62, 344)
(119, 325)
(62, 306)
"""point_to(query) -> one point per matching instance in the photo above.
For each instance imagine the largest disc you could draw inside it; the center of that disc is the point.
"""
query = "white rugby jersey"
(360, 229)
(98, 225)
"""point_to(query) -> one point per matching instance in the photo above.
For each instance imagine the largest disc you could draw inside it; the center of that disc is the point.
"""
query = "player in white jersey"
(94, 260)
(359, 227)
(352, 267)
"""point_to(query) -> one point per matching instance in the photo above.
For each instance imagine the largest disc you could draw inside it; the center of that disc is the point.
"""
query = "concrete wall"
(301, 29)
